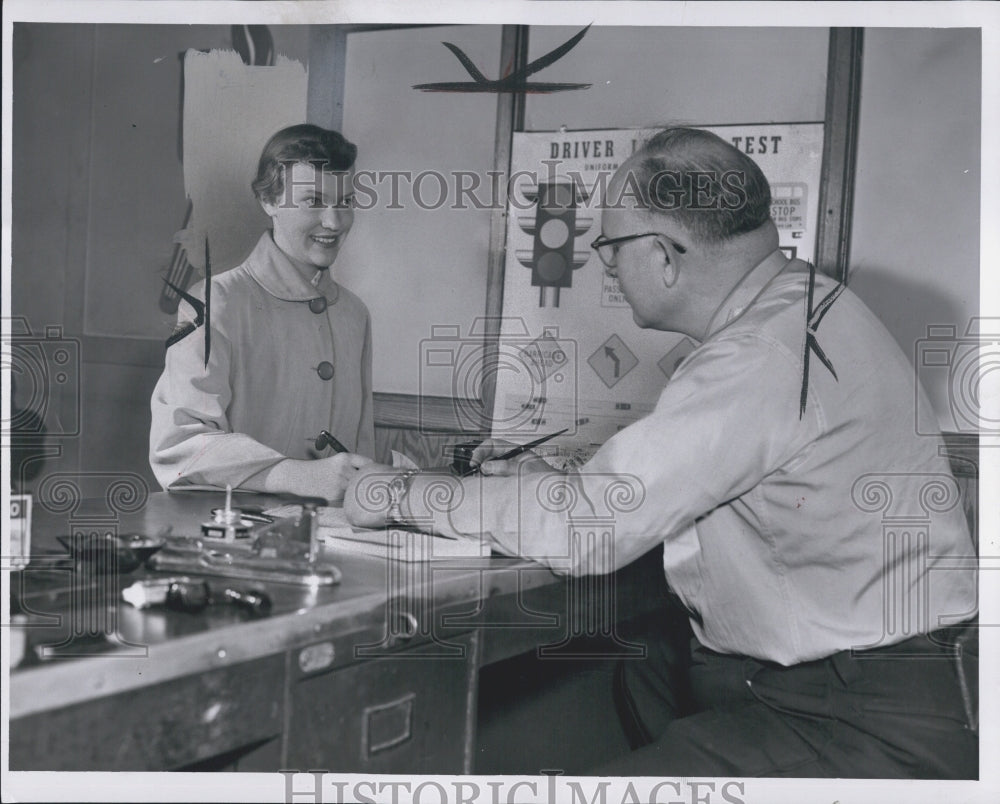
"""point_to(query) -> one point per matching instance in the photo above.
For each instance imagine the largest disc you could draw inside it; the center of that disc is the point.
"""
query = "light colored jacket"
(280, 370)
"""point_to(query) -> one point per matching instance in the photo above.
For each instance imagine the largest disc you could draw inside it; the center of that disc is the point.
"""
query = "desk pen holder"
(227, 524)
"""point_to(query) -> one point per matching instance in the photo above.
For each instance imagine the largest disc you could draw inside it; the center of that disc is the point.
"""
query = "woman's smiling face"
(313, 214)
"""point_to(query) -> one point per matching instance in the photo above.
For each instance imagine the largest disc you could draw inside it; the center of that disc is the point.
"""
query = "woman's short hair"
(327, 150)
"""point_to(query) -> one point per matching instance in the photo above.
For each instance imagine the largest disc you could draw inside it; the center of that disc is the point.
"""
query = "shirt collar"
(283, 279)
(746, 291)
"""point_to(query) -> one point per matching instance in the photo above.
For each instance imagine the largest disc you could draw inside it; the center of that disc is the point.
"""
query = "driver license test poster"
(570, 354)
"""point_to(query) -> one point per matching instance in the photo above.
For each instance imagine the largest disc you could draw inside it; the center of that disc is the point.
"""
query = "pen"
(513, 453)
(326, 439)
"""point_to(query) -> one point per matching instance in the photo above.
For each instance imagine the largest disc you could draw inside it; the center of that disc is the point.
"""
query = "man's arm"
(727, 418)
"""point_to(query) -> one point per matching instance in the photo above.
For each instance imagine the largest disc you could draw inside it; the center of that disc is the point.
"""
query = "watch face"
(397, 488)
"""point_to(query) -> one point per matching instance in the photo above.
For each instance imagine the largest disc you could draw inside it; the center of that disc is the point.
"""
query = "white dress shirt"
(787, 538)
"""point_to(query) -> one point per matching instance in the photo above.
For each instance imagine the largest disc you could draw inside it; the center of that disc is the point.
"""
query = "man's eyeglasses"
(607, 247)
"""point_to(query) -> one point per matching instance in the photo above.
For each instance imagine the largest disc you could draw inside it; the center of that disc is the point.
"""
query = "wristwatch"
(399, 486)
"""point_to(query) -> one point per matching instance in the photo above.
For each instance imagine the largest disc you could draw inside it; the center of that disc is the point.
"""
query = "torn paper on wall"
(230, 111)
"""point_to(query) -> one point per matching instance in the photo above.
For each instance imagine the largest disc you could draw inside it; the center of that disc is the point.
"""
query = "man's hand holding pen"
(498, 458)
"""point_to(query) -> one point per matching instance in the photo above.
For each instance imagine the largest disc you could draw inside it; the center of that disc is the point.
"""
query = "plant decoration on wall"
(255, 45)
(515, 81)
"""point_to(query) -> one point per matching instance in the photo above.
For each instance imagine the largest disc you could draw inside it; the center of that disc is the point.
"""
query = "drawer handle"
(407, 626)
(316, 657)
(387, 725)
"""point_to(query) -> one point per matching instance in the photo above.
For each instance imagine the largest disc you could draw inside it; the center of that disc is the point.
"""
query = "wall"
(435, 261)
(655, 76)
(915, 240)
(97, 195)
(415, 266)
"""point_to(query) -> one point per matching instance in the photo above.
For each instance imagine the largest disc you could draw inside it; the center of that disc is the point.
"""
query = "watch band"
(399, 487)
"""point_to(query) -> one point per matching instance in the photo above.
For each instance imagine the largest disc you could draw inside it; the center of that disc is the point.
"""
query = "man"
(818, 649)
(279, 352)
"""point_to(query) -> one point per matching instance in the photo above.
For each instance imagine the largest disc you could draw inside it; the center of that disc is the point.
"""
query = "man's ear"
(269, 207)
(668, 261)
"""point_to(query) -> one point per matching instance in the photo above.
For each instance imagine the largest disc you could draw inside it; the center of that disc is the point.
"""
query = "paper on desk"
(331, 520)
(334, 530)
(332, 523)
(406, 545)
(400, 461)
(337, 534)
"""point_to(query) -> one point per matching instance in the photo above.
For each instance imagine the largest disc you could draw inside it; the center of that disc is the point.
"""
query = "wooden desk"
(376, 674)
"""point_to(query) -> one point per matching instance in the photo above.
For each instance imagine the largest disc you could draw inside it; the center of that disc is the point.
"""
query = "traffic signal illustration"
(555, 227)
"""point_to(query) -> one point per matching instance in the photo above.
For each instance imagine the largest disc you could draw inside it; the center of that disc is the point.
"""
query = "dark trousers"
(896, 712)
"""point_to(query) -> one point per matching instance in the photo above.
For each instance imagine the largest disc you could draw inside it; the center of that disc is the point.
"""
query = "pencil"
(333, 442)
(519, 450)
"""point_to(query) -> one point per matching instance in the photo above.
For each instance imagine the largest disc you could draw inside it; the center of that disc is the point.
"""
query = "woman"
(289, 354)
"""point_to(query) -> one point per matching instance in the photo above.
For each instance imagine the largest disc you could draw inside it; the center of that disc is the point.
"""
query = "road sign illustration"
(788, 206)
(670, 362)
(554, 229)
(544, 356)
(612, 361)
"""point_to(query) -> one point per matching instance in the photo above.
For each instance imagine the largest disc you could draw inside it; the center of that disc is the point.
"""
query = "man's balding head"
(687, 217)
(705, 184)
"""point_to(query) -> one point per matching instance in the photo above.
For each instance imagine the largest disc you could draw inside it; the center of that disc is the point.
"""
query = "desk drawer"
(411, 711)
(156, 728)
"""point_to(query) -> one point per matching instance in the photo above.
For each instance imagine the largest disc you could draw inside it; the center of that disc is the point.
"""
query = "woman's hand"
(491, 447)
(335, 474)
(323, 477)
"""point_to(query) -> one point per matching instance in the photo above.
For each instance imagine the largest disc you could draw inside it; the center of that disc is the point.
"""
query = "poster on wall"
(570, 355)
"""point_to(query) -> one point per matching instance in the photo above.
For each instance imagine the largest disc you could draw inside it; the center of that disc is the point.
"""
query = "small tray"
(124, 552)
(196, 557)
